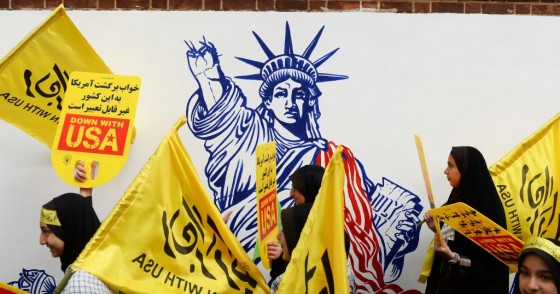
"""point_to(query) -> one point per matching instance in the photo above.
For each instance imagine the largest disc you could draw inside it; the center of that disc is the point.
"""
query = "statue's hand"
(407, 230)
(204, 60)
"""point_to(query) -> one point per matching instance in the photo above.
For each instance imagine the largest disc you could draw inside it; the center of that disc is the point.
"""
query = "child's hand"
(274, 250)
(80, 172)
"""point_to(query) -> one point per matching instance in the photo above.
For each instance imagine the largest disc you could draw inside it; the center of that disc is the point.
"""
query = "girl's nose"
(533, 284)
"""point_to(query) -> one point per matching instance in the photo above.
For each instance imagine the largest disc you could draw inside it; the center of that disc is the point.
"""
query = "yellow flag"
(528, 179)
(318, 263)
(166, 236)
(7, 289)
(34, 76)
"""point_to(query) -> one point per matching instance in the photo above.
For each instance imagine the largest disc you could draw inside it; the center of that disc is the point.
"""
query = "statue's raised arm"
(204, 65)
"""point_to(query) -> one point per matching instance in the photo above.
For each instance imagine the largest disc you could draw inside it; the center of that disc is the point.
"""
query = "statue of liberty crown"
(35, 281)
(288, 60)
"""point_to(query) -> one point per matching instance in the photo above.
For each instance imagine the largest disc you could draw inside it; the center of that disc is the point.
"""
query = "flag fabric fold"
(7, 289)
(318, 262)
(427, 263)
(35, 74)
(166, 236)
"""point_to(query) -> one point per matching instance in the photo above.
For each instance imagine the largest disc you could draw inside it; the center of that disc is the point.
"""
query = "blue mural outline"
(288, 114)
(35, 281)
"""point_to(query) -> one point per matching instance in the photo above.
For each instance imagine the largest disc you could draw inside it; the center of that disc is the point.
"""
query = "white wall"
(480, 80)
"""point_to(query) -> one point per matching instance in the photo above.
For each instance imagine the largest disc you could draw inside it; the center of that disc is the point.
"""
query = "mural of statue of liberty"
(379, 218)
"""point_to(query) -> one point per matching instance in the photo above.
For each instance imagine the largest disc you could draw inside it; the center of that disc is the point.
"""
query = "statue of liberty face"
(288, 101)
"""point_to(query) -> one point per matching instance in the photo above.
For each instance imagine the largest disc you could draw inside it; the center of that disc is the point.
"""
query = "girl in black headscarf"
(68, 222)
(461, 266)
(71, 219)
(539, 267)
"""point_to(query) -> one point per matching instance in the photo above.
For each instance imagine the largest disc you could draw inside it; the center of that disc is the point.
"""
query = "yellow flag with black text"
(528, 180)
(166, 236)
(34, 76)
(318, 262)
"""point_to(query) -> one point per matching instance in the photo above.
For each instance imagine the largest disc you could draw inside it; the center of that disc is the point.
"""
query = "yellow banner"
(35, 75)
(482, 231)
(527, 179)
(96, 126)
(318, 263)
(166, 236)
(267, 200)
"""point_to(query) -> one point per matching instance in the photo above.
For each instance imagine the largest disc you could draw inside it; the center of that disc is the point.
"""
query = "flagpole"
(427, 183)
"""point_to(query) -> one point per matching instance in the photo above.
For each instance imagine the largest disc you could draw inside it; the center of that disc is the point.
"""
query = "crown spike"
(254, 63)
(325, 77)
(264, 47)
(290, 61)
(322, 60)
(288, 46)
(254, 77)
(313, 44)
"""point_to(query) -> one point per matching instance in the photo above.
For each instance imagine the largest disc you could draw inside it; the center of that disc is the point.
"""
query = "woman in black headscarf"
(293, 222)
(306, 182)
(461, 266)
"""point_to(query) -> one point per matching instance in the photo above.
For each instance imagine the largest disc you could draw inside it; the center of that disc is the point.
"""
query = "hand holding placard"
(96, 126)
(482, 231)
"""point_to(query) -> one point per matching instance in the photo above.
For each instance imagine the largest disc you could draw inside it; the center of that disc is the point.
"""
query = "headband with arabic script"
(49, 217)
(544, 245)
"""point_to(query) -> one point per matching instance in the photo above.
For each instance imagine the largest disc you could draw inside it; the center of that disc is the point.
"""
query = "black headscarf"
(78, 223)
(293, 221)
(476, 187)
(307, 180)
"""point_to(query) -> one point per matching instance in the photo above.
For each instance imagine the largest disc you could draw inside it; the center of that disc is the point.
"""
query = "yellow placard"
(96, 126)
(267, 200)
(482, 231)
